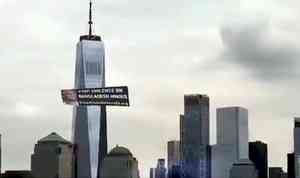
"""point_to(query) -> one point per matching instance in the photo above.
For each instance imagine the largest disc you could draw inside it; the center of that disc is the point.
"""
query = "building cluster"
(54, 157)
(233, 156)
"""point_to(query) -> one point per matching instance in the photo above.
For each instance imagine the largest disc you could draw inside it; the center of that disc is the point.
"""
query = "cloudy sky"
(239, 52)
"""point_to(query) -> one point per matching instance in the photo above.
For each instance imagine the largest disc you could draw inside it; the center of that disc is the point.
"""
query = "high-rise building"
(52, 158)
(297, 146)
(244, 168)
(173, 153)
(120, 163)
(232, 140)
(0, 153)
(194, 131)
(17, 174)
(152, 172)
(160, 170)
(258, 154)
(275, 172)
(89, 122)
(291, 165)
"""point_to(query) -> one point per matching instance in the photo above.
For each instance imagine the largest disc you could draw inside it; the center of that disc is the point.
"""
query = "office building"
(89, 122)
(276, 172)
(194, 131)
(258, 154)
(291, 165)
(160, 170)
(297, 146)
(52, 157)
(232, 140)
(173, 153)
(244, 168)
(120, 163)
(152, 172)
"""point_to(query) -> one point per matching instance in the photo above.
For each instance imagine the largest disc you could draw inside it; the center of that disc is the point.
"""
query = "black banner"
(113, 96)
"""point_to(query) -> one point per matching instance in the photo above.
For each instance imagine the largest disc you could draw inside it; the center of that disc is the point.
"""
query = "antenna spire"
(90, 19)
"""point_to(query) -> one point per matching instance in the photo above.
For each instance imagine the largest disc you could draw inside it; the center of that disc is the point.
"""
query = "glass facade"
(89, 122)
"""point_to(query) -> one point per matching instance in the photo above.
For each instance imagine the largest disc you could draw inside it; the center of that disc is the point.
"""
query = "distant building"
(160, 170)
(173, 153)
(194, 137)
(275, 172)
(120, 163)
(0, 153)
(152, 172)
(173, 156)
(258, 154)
(232, 140)
(175, 172)
(17, 174)
(291, 165)
(244, 168)
(52, 158)
(297, 147)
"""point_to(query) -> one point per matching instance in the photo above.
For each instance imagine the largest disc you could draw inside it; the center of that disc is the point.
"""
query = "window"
(92, 68)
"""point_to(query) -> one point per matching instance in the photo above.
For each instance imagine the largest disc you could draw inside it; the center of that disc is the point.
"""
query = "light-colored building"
(52, 158)
(89, 122)
(244, 168)
(120, 163)
(232, 140)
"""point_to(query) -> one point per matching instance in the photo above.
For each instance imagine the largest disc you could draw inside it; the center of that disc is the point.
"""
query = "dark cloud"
(262, 54)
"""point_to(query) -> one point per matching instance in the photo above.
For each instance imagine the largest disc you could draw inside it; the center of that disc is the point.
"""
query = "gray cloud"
(255, 49)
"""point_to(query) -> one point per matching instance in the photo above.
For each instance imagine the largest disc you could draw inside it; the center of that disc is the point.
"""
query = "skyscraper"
(291, 165)
(297, 147)
(232, 140)
(152, 172)
(89, 122)
(258, 154)
(194, 131)
(244, 168)
(275, 172)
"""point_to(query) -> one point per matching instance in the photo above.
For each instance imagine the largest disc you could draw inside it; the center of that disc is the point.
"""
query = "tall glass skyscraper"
(89, 122)
(194, 133)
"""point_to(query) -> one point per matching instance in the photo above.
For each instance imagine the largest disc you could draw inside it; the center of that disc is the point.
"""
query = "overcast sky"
(239, 52)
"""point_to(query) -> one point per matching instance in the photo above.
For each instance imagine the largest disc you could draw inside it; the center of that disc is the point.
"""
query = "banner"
(113, 96)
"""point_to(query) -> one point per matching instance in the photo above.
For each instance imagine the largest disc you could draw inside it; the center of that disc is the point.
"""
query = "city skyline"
(39, 60)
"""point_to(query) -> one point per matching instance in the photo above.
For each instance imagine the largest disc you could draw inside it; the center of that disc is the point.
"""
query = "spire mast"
(90, 19)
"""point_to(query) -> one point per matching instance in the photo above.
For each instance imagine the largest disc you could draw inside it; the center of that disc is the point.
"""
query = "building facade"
(161, 170)
(89, 122)
(291, 165)
(152, 172)
(275, 172)
(173, 153)
(258, 154)
(194, 131)
(120, 163)
(297, 146)
(52, 158)
(232, 140)
(244, 168)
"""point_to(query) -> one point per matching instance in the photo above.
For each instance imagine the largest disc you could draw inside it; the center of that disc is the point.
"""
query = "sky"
(239, 52)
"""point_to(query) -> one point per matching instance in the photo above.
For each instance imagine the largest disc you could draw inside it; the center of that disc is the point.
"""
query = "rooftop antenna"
(90, 19)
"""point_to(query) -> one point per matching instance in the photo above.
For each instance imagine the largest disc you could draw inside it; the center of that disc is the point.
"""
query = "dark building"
(175, 172)
(291, 165)
(275, 172)
(17, 174)
(194, 137)
(258, 154)
(161, 170)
